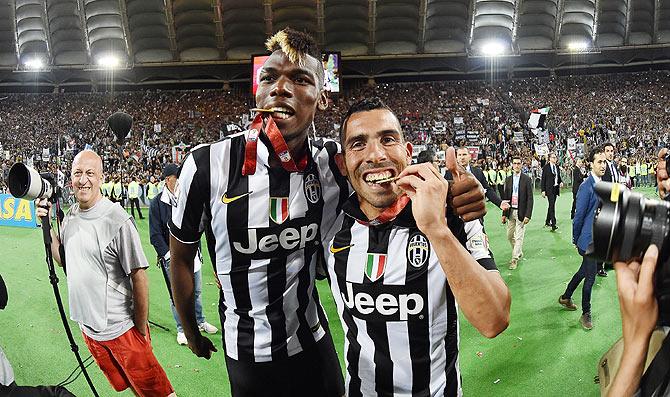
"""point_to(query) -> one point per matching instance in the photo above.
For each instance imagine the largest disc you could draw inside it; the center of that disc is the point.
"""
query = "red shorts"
(129, 361)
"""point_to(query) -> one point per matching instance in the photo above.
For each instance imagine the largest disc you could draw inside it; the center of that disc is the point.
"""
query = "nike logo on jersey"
(334, 250)
(227, 200)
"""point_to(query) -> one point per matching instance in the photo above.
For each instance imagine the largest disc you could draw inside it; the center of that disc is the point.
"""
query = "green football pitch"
(543, 352)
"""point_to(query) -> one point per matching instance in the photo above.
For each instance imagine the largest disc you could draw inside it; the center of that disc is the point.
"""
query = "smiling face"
(293, 91)
(374, 149)
(86, 178)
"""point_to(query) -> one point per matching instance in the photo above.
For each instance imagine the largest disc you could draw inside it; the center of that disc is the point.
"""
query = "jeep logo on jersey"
(312, 188)
(278, 209)
(418, 250)
(393, 304)
(274, 242)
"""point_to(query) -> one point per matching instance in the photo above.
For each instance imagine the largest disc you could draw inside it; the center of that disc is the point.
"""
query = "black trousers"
(586, 272)
(574, 205)
(34, 391)
(551, 211)
(313, 372)
(135, 202)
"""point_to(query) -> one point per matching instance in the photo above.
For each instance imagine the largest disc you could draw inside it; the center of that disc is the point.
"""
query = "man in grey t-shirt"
(107, 285)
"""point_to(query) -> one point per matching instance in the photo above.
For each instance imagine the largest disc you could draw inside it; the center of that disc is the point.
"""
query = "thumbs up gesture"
(467, 195)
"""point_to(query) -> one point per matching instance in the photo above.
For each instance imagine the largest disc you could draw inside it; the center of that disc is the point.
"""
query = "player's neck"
(370, 211)
(297, 146)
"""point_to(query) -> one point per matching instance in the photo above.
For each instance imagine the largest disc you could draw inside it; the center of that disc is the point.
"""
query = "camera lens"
(626, 224)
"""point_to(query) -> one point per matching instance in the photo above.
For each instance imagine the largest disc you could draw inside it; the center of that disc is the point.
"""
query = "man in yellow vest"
(116, 194)
(644, 174)
(152, 188)
(134, 197)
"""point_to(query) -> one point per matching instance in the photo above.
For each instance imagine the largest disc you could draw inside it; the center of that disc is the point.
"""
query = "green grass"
(543, 352)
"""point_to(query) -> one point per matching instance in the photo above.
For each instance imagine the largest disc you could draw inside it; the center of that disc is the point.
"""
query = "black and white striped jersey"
(264, 235)
(398, 313)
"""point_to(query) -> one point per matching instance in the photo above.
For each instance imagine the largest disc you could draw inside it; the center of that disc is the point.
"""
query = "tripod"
(53, 278)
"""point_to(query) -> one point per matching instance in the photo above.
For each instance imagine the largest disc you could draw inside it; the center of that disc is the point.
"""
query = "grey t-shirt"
(102, 247)
(6, 371)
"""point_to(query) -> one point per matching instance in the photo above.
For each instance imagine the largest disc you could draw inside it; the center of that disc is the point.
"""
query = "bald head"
(86, 178)
(88, 156)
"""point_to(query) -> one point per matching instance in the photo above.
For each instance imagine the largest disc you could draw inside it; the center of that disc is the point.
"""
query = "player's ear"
(409, 148)
(322, 104)
(339, 160)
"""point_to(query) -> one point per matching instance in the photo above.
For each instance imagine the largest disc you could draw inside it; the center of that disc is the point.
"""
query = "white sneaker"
(181, 338)
(207, 327)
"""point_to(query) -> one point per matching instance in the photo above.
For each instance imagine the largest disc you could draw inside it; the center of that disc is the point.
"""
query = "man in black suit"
(578, 175)
(518, 190)
(611, 168)
(463, 158)
(160, 212)
(551, 188)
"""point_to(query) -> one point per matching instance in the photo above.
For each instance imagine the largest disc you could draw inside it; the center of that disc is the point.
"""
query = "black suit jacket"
(159, 234)
(525, 205)
(491, 193)
(577, 179)
(608, 172)
(547, 184)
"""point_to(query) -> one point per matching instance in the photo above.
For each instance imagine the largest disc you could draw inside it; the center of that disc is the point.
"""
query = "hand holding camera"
(639, 309)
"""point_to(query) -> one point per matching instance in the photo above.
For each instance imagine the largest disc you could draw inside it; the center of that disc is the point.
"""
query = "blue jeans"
(586, 272)
(198, 300)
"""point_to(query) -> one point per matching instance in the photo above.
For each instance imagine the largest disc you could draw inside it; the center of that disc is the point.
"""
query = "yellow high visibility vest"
(133, 190)
(643, 169)
(152, 190)
(492, 174)
(116, 190)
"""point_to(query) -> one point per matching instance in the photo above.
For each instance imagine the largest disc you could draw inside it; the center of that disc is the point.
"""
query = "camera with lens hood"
(625, 225)
(26, 183)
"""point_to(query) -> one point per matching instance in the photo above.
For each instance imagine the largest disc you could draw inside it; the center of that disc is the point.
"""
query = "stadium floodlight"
(578, 46)
(493, 48)
(34, 64)
(109, 61)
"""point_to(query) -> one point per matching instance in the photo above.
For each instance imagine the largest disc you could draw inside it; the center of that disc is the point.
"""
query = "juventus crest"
(418, 250)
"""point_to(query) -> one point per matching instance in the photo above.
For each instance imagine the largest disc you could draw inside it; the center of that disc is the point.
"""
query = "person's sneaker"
(567, 302)
(512, 264)
(554, 228)
(181, 338)
(585, 321)
(602, 273)
(207, 327)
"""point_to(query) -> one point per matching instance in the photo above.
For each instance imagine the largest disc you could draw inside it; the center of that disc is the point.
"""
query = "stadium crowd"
(628, 110)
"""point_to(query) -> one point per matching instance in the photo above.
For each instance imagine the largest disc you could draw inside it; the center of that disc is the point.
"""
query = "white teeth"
(280, 115)
(378, 176)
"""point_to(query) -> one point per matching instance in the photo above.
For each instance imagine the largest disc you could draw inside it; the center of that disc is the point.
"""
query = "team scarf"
(265, 124)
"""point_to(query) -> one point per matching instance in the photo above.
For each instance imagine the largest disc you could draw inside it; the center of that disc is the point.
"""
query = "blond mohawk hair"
(296, 45)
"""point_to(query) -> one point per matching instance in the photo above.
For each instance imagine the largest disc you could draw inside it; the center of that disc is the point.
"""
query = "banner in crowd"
(459, 136)
(474, 152)
(157, 128)
(45, 154)
(542, 150)
(458, 120)
(472, 136)
(572, 144)
(618, 120)
(440, 127)
(537, 118)
(17, 212)
(518, 136)
(179, 152)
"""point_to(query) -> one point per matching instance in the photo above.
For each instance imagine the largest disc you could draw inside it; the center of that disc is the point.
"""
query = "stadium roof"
(160, 35)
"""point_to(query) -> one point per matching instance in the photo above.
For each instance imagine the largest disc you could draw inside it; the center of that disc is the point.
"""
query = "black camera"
(26, 183)
(625, 225)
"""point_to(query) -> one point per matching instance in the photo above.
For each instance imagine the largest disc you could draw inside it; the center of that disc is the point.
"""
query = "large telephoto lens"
(26, 183)
(626, 224)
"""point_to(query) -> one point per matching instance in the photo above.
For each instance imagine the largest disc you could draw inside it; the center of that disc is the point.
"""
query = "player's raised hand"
(468, 199)
(428, 190)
